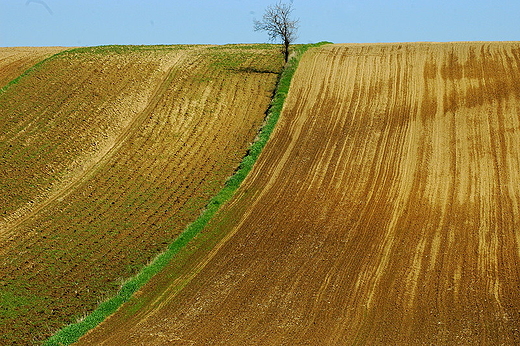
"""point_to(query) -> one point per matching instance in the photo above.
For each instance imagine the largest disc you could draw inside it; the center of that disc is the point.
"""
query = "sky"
(94, 22)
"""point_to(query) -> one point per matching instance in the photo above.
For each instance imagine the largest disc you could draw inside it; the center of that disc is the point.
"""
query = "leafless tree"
(279, 25)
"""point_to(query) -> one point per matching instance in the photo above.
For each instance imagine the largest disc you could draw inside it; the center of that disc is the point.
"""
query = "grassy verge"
(73, 332)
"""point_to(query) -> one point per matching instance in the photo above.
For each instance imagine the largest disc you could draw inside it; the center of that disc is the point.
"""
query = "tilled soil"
(15, 60)
(108, 153)
(384, 210)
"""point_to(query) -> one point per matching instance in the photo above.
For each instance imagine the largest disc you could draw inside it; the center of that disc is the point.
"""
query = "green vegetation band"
(71, 333)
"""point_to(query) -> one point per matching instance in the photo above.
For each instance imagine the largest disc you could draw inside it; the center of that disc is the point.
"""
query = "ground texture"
(15, 60)
(384, 210)
(106, 154)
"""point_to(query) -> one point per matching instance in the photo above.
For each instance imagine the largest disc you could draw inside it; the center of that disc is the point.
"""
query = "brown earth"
(384, 210)
(107, 153)
(15, 60)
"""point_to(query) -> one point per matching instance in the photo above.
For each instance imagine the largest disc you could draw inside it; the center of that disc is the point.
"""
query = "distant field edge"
(72, 332)
(68, 50)
(34, 68)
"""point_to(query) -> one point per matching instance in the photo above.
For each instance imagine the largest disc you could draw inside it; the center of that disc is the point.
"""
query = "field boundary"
(67, 51)
(72, 332)
(34, 68)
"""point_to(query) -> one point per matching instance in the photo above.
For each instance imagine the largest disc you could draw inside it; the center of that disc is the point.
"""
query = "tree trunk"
(286, 51)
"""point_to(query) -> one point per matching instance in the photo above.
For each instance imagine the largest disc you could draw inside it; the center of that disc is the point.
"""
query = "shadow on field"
(251, 70)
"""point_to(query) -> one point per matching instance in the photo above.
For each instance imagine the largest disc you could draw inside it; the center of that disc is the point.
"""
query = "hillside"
(15, 60)
(384, 210)
(106, 154)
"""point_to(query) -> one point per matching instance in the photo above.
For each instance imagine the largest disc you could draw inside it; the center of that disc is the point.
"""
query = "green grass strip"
(71, 333)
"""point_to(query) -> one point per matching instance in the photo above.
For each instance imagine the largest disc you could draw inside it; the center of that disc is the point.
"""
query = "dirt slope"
(107, 153)
(385, 210)
(15, 60)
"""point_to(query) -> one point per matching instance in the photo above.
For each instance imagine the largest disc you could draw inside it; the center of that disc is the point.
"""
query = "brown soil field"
(106, 154)
(15, 60)
(383, 211)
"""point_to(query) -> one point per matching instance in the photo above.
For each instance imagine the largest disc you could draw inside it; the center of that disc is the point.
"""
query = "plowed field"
(384, 210)
(15, 60)
(106, 154)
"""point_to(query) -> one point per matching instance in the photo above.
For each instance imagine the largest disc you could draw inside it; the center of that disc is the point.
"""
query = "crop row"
(383, 210)
(153, 174)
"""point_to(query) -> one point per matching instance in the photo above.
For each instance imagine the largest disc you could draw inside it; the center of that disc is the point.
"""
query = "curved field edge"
(66, 51)
(66, 258)
(33, 68)
(14, 61)
(382, 210)
(73, 332)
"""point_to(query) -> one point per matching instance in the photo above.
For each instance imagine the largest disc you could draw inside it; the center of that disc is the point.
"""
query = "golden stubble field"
(384, 210)
(106, 154)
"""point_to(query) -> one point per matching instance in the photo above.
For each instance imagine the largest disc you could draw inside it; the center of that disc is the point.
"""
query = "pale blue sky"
(95, 22)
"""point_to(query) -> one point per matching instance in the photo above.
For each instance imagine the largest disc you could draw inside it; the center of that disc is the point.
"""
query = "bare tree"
(278, 24)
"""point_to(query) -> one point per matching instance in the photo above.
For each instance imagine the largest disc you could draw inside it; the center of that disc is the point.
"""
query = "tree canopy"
(278, 24)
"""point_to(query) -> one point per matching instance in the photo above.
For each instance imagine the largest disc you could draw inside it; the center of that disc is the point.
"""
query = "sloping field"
(384, 210)
(15, 60)
(106, 154)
